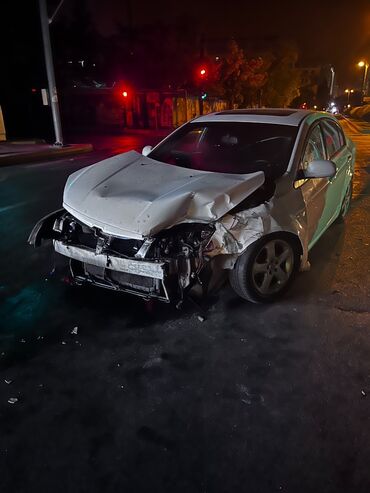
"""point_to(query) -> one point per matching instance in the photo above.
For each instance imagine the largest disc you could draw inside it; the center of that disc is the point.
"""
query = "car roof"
(277, 116)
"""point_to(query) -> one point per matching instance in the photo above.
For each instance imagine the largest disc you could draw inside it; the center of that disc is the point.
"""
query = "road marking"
(14, 206)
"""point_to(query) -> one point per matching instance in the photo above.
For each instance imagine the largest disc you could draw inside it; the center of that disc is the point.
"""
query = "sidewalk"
(19, 152)
(360, 126)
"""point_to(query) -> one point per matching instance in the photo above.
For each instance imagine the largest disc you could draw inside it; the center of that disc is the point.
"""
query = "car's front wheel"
(265, 269)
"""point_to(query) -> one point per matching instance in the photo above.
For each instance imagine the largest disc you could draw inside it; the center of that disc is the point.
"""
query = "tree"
(239, 78)
(283, 82)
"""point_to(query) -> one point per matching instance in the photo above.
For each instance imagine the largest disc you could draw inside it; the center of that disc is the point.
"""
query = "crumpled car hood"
(133, 196)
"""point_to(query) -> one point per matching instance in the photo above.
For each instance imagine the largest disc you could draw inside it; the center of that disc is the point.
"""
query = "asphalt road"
(147, 398)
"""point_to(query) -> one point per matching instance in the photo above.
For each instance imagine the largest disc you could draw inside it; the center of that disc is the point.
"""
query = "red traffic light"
(202, 72)
(125, 94)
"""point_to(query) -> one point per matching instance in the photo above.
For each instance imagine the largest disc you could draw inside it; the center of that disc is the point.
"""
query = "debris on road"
(201, 318)
(151, 362)
(13, 400)
(8, 382)
(74, 330)
(64, 342)
(363, 393)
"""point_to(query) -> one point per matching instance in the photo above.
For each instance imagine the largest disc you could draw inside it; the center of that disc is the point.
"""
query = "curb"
(51, 153)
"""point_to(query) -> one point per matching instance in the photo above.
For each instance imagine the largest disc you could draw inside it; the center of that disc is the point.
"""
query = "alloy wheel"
(272, 267)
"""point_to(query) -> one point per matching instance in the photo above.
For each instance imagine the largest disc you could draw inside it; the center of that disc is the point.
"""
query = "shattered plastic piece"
(13, 400)
(363, 393)
(74, 330)
(305, 267)
(8, 382)
(201, 318)
(64, 342)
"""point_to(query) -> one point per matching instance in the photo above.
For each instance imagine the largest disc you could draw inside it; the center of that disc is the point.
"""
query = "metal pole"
(364, 81)
(331, 90)
(186, 105)
(50, 73)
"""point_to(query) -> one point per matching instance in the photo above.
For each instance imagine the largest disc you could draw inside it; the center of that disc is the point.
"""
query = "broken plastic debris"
(64, 342)
(74, 330)
(363, 393)
(8, 382)
(13, 400)
(201, 318)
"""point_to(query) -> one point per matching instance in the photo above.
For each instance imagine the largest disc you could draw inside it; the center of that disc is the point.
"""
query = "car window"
(229, 147)
(314, 150)
(333, 137)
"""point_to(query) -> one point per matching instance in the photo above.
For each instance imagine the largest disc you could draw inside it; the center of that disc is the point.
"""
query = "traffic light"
(203, 72)
(125, 94)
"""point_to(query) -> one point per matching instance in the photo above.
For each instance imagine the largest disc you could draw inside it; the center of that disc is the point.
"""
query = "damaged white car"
(243, 192)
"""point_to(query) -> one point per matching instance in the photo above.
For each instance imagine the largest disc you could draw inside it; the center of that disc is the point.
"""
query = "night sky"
(326, 31)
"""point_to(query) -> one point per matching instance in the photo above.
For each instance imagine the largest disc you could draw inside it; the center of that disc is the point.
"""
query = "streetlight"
(364, 64)
(348, 92)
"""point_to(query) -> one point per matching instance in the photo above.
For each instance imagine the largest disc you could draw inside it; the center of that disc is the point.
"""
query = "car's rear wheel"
(265, 269)
(346, 203)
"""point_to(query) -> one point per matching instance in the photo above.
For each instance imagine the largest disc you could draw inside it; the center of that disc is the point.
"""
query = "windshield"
(228, 147)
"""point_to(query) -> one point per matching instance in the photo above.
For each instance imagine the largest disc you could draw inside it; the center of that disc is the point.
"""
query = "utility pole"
(203, 73)
(332, 79)
(53, 96)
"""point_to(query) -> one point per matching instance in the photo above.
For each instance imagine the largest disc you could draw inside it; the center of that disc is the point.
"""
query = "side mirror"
(320, 168)
(146, 150)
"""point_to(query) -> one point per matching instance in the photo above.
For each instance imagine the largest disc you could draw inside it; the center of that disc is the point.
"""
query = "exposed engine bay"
(164, 266)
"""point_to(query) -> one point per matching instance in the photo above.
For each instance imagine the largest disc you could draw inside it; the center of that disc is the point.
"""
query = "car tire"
(263, 261)
(346, 203)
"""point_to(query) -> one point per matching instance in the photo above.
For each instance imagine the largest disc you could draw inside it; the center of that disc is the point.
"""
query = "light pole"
(365, 65)
(348, 92)
(332, 79)
(53, 96)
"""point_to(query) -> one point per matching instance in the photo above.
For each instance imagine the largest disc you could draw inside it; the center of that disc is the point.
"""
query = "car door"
(313, 190)
(340, 155)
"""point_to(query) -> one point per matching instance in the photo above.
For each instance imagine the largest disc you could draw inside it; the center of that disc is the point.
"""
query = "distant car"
(246, 192)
